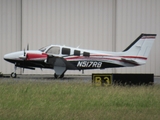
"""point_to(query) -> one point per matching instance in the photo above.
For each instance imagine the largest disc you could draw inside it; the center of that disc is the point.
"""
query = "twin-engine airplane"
(63, 58)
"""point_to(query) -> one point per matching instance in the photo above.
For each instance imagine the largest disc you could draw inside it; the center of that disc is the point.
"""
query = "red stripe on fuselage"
(104, 57)
(139, 57)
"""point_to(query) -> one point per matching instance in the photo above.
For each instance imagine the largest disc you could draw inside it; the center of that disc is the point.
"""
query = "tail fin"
(140, 48)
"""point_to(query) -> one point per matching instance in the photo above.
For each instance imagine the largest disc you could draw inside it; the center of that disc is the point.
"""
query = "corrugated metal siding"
(133, 18)
(10, 31)
(109, 25)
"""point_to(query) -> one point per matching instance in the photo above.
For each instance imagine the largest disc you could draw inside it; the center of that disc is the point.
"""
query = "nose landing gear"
(13, 74)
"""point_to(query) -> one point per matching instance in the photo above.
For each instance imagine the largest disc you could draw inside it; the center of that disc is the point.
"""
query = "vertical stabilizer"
(141, 47)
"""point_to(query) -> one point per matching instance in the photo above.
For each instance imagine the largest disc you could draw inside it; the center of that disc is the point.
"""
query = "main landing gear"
(58, 76)
(59, 67)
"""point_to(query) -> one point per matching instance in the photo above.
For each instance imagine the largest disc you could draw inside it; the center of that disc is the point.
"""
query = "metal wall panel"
(10, 31)
(109, 25)
(83, 23)
(133, 18)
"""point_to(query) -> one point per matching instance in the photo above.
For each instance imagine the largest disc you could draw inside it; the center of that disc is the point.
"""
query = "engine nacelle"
(36, 56)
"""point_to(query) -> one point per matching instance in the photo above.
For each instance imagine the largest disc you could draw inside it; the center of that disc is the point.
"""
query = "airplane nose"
(7, 56)
(12, 56)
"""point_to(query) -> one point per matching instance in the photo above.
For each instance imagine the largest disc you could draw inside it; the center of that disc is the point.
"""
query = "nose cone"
(7, 56)
(12, 56)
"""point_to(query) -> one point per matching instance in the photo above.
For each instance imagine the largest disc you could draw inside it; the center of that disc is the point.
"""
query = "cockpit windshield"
(50, 49)
(53, 50)
(43, 49)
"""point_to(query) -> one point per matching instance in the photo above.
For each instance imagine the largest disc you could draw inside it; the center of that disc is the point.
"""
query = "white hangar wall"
(109, 25)
(132, 18)
(10, 31)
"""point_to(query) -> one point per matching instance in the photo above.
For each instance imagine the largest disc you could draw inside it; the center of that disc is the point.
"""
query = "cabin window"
(66, 51)
(77, 52)
(87, 54)
(54, 50)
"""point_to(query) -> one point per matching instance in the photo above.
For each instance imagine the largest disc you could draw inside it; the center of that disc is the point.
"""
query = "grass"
(77, 101)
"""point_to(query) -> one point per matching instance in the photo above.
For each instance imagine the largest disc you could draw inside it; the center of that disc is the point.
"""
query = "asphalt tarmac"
(50, 78)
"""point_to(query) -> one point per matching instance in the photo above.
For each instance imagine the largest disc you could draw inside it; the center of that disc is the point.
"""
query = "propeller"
(25, 56)
(24, 59)
(27, 49)
(27, 46)
(24, 52)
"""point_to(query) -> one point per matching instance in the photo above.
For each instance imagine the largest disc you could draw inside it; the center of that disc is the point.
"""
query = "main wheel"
(57, 76)
(13, 75)
(62, 76)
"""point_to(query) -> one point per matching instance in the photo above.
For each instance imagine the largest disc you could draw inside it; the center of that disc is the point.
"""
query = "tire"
(55, 75)
(61, 76)
(13, 75)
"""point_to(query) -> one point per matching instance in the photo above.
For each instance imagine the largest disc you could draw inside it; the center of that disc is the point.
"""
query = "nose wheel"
(13, 75)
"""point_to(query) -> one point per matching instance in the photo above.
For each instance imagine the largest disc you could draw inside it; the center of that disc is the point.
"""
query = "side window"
(77, 52)
(66, 51)
(87, 54)
(54, 50)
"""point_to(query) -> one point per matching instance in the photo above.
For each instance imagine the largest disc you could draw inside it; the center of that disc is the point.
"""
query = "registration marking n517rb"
(87, 64)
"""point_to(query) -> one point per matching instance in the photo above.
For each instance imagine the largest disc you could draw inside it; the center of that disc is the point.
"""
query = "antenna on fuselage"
(78, 46)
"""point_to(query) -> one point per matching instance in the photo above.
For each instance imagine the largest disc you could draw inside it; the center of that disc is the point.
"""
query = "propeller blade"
(25, 56)
(24, 52)
(27, 46)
